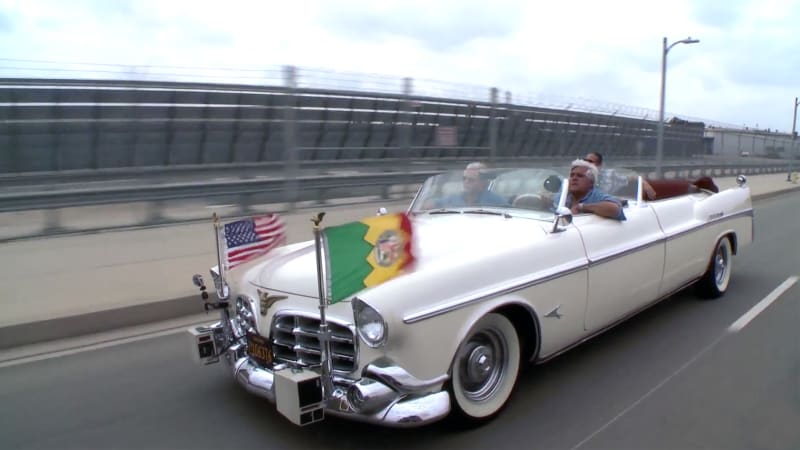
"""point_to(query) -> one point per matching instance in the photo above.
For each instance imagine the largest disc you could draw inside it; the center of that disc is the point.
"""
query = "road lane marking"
(651, 391)
(736, 326)
(762, 305)
(218, 206)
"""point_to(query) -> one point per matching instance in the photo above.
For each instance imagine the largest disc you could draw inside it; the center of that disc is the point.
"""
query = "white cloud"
(744, 70)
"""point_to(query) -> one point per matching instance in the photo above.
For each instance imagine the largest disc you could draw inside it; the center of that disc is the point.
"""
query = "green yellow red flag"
(362, 254)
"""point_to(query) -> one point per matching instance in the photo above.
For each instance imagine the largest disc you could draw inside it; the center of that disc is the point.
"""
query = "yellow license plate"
(259, 349)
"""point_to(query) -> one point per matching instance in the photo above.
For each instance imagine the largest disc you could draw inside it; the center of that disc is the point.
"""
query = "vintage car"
(493, 287)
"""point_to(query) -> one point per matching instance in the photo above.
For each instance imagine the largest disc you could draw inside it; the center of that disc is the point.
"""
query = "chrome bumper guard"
(386, 394)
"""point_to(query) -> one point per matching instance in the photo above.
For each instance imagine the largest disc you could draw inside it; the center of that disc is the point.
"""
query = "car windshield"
(510, 190)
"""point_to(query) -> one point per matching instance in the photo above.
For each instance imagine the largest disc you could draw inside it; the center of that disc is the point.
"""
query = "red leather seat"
(674, 188)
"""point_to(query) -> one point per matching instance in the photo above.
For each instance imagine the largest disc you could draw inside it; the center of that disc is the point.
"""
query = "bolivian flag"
(366, 253)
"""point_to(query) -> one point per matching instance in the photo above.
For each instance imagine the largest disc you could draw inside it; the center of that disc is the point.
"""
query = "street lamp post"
(794, 136)
(660, 138)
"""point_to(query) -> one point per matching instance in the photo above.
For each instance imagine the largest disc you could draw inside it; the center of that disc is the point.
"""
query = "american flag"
(255, 236)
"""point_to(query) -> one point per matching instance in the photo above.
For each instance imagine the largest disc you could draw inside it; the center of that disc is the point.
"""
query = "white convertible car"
(493, 288)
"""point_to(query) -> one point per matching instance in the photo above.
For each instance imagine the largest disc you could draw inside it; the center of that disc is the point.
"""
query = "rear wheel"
(715, 281)
(485, 369)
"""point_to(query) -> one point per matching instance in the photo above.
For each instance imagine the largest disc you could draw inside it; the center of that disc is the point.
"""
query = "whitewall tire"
(714, 282)
(485, 369)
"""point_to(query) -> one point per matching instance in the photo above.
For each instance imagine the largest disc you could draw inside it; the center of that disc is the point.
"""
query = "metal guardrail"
(199, 172)
(317, 188)
(279, 194)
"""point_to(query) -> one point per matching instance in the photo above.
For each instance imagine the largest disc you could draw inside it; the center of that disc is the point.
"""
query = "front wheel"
(485, 369)
(715, 281)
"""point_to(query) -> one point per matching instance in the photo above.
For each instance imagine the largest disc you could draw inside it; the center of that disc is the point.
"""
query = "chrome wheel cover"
(483, 366)
(721, 264)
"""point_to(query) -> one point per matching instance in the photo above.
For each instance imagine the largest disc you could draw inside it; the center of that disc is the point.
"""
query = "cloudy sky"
(605, 54)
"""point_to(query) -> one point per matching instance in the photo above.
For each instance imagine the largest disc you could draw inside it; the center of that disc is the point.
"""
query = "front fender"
(426, 347)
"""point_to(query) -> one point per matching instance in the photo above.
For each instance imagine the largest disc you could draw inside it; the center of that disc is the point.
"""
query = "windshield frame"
(444, 193)
(530, 181)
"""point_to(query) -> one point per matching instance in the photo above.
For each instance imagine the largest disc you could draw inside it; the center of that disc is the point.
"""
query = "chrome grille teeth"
(295, 340)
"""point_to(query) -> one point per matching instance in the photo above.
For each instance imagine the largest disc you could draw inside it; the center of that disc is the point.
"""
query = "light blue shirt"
(595, 196)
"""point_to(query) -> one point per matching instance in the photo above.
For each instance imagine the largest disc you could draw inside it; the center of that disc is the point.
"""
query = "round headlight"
(369, 323)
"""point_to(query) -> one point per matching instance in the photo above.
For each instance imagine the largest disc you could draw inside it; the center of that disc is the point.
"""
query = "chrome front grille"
(295, 340)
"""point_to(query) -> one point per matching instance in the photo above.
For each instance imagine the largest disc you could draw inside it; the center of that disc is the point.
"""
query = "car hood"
(437, 239)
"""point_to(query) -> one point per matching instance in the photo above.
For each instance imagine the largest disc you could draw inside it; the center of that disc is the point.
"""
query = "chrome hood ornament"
(265, 300)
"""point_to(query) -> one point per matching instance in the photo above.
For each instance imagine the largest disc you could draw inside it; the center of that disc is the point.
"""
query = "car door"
(689, 239)
(626, 262)
(560, 265)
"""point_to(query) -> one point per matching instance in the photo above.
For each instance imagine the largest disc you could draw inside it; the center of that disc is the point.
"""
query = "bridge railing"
(276, 194)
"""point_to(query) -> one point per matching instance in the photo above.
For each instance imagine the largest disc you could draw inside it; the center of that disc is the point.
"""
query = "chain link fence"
(316, 78)
(76, 116)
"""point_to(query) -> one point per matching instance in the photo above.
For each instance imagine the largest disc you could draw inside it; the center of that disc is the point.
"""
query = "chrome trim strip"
(529, 281)
(679, 234)
(626, 252)
(558, 272)
(667, 238)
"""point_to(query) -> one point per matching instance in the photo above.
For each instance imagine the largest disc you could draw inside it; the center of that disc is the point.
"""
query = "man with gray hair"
(584, 197)
(476, 190)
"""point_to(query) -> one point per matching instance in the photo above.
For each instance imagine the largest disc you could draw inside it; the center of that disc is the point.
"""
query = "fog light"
(368, 396)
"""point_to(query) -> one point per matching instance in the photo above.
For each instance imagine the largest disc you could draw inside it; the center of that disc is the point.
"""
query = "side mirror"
(563, 218)
(563, 215)
(563, 211)
(197, 280)
(741, 180)
(381, 211)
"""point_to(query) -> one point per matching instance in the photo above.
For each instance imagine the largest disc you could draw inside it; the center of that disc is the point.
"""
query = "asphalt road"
(674, 377)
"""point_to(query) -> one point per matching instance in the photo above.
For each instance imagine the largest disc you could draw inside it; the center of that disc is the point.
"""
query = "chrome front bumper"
(385, 395)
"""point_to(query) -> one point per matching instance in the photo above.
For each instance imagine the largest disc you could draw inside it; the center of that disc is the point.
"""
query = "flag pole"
(221, 291)
(324, 334)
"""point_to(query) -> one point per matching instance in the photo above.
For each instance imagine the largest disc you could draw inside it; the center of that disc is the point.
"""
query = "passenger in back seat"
(610, 181)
